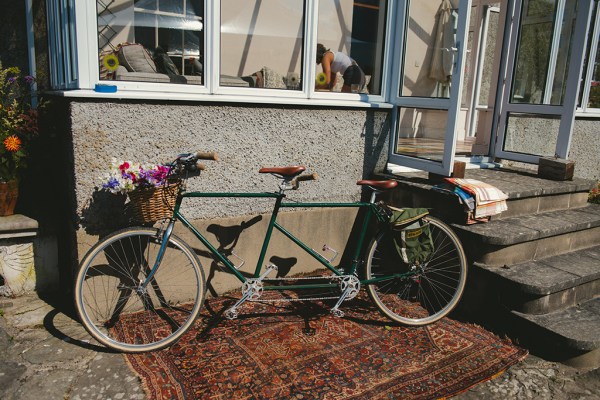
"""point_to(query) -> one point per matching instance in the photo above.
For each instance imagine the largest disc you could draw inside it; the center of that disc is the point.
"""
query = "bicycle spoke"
(430, 289)
(119, 311)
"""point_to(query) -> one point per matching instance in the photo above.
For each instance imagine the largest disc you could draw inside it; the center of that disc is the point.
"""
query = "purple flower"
(111, 184)
(12, 79)
(29, 79)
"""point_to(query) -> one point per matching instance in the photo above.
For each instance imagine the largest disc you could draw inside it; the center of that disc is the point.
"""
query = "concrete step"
(526, 238)
(547, 285)
(527, 194)
(571, 336)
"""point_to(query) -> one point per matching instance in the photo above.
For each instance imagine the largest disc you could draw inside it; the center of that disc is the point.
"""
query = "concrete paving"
(46, 354)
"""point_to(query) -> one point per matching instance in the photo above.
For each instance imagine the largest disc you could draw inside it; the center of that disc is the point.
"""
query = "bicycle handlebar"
(210, 155)
(310, 177)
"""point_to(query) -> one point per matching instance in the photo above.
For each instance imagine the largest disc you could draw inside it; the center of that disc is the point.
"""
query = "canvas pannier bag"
(411, 234)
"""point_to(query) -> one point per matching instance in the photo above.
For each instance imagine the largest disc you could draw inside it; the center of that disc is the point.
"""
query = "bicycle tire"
(427, 292)
(117, 312)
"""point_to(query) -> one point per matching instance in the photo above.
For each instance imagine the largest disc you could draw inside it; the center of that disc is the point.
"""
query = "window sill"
(225, 98)
(587, 114)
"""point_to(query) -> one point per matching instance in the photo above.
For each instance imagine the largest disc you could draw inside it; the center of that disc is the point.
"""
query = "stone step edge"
(582, 319)
(496, 232)
(574, 186)
(541, 289)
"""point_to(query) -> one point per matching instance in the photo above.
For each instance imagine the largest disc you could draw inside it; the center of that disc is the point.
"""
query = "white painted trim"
(563, 143)
(558, 26)
(590, 68)
(208, 98)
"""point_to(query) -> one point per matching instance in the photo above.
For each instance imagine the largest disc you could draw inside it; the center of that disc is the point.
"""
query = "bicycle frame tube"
(273, 224)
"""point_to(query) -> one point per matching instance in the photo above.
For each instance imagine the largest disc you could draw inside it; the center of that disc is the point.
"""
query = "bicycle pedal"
(337, 312)
(231, 314)
(309, 331)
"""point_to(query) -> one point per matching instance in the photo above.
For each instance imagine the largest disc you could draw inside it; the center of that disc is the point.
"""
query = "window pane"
(421, 133)
(532, 134)
(593, 81)
(157, 41)
(356, 30)
(594, 99)
(429, 55)
(262, 43)
(535, 57)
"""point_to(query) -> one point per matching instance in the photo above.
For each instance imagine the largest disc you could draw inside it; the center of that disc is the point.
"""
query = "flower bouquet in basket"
(152, 191)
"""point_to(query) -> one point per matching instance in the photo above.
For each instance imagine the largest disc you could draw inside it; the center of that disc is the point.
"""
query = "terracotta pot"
(9, 192)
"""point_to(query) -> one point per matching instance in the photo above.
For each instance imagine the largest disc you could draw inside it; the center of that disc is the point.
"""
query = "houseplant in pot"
(18, 124)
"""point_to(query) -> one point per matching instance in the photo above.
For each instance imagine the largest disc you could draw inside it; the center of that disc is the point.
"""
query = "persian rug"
(296, 350)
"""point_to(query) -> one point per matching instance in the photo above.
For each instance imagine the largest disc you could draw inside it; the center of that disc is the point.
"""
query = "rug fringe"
(142, 381)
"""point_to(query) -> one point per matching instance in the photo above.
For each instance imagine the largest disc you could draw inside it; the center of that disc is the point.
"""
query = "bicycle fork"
(166, 235)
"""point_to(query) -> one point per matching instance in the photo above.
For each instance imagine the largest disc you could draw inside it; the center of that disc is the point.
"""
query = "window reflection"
(430, 48)
(157, 41)
(357, 30)
(262, 43)
(542, 55)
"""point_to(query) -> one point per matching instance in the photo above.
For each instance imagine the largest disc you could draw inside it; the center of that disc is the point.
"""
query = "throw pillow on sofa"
(136, 58)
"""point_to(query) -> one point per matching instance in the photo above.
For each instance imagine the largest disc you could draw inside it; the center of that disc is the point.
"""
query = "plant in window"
(18, 122)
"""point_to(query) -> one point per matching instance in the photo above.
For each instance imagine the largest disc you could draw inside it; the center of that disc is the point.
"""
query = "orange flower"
(12, 143)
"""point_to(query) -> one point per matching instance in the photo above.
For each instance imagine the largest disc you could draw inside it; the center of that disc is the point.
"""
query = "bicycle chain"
(300, 298)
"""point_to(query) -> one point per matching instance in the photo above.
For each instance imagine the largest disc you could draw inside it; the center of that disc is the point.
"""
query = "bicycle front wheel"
(417, 293)
(115, 306)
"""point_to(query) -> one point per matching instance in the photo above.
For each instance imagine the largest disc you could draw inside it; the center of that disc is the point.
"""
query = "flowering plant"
(123, 177)
(594, 196)
(18, 121)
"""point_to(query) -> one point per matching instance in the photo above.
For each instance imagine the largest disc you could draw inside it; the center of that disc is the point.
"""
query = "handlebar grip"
(311, 177)
(203, 155)
(200, 166)
(296, 181)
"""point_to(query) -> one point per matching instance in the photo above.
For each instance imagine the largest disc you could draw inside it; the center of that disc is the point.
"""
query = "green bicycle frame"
(371, 210)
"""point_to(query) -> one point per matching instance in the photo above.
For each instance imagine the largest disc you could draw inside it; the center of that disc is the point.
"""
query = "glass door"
(431, 52)
(544, 69)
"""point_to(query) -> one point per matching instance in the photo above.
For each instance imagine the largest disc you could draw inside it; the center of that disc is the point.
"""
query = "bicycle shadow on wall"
(227, 238)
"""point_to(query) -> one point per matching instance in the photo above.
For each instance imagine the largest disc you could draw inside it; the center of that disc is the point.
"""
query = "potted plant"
(18, 124)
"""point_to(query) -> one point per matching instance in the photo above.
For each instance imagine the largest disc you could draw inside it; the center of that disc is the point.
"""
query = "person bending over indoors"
(334, 62)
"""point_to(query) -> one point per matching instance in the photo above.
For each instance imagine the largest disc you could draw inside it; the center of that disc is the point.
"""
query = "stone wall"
(340, 145)
(538, 136)
(585, 148)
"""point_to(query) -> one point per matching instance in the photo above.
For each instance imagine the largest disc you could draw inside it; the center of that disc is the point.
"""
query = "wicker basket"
(152, 204)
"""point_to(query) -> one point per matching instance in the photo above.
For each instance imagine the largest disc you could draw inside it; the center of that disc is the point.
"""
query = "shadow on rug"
(298, 351)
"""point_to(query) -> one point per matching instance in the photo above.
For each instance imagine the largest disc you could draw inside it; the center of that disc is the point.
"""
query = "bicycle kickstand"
(251, 290)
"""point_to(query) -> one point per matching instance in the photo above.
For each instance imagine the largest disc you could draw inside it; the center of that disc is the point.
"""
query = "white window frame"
(88, 70)
(583, 109)
(566, 110)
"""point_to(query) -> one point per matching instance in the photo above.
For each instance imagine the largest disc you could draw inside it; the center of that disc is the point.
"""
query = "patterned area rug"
(297, 351)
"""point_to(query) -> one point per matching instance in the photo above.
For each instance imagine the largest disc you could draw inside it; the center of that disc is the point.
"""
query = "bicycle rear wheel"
(118, 311)
(417, 293)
